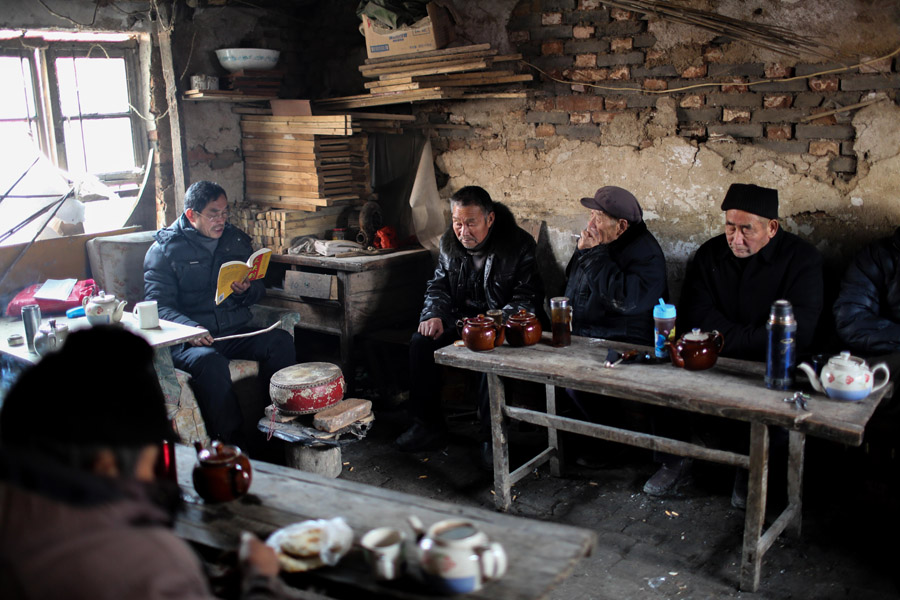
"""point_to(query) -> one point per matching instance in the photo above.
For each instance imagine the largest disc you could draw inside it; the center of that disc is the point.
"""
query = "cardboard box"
(290, 108)
(431, 33)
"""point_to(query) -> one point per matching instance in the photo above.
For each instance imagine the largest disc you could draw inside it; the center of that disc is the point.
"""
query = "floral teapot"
(846, 377)
(103, 309)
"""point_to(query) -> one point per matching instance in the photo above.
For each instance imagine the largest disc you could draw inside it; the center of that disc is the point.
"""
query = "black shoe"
(670, 478)
(420, 437)
(486, 456)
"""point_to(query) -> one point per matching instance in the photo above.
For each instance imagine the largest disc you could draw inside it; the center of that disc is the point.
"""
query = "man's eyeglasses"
(215, 216)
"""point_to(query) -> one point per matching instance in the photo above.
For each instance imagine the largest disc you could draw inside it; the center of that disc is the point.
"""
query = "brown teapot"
(222, 473)
(480, 333)
(523, 329)
(696, 350)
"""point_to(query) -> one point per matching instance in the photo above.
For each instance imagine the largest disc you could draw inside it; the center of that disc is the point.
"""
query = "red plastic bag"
(81, 290)
(386, 237)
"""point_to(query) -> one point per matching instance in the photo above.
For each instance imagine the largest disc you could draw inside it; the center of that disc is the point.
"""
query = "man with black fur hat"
(731, 284)
(486, 262)
(618, 271)
(81, 512)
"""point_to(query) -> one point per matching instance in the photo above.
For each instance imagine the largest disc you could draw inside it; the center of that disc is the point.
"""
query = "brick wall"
(586, 49)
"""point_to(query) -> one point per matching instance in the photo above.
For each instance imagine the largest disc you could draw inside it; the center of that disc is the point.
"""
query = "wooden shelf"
(224, 96)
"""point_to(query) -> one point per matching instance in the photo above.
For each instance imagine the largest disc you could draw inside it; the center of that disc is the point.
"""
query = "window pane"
(99, 145)
(16, 94)
(97, 84)
(16, 152)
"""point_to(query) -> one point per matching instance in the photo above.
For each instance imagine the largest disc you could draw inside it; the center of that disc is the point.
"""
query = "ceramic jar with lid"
(697, 350)
(523, 329)
(479, 333)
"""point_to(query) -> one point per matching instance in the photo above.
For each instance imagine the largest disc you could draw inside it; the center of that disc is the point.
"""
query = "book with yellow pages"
(235, 271)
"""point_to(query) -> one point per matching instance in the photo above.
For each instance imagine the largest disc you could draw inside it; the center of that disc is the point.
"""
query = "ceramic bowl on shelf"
(236, 59)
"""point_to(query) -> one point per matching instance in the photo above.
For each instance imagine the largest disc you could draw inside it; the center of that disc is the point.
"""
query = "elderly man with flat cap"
(731, 284)
(618, 271)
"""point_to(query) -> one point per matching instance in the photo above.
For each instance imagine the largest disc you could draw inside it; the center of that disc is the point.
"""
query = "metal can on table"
(781, 347)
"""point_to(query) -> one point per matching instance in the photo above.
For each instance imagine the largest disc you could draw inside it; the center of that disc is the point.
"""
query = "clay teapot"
(523, 329)
(480, 333)
(846, 377)
(222, 473)
(696, 350)
(50, 337)
(456, 556)
(103, 309)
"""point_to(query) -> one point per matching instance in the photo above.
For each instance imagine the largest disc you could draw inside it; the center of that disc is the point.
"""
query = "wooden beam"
(174, 114)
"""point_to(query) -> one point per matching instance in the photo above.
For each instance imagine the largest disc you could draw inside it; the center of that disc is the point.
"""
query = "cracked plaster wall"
(680, 183)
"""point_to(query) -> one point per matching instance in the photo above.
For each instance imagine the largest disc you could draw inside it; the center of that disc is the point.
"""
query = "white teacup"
(383, 548)
(146, 314)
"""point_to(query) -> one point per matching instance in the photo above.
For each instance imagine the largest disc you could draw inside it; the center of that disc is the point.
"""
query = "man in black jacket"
(867, 311)
(486, 262)
(731, 284)
(618, 271)
(180, 272)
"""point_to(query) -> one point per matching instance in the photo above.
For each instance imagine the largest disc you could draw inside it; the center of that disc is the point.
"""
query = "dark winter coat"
(613, 287)
(867, 311)
(180, 274)
(509, 281)
(733, 295)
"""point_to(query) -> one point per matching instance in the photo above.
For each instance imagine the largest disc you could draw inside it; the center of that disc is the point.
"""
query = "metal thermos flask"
(781, 348)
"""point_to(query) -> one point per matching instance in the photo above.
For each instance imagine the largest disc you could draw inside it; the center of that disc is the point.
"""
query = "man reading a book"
(180, 272)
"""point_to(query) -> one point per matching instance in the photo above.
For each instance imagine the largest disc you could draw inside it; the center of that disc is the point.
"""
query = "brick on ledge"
(515, 145)
(552, 48)
(696, 86)
(778, 101)
(847, 149)
(579, 118)
(871, 82)
(583, 32)
(798, 85)
(826, 83)
(660, 71)
(843, 164)
(692, 101)
(740, 130)
(692, 131)
(552, 62)
(874, 66)
(586, 75)
(545, 130)
(458, 133)
(621, 44)
(551, 18)
(619, 73)
(620, 28)
(534, 144)
(810, 69)
(742, 100)
(573, 103)
(556, 32)
(644, 40)
(579, 132)
(655, 84)
(627, 58)
(695, 72)
(592, 17)
(590, 5)
(779, 132)
(735, 115)
(585, 60)
(558, 118)
(519, 37)
(779, 115)
(824, 147)
(586, 46)
(832, 132)
(698, 115)
(623, 88)
(808, 100)
(783, 147)
(620, 14)
(742, 70)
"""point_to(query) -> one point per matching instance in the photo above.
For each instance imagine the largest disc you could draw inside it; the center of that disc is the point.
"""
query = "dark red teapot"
(480, 333)
(696, 350)
(523, 329)
(222, 473)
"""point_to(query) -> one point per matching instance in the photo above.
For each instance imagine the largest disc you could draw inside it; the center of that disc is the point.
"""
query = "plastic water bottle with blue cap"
(663, 327)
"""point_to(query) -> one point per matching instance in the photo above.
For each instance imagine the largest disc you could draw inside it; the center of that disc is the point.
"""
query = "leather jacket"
(509, 279)
(180, 274)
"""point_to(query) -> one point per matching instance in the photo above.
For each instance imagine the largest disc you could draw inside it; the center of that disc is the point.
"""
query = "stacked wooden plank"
(433, 75)
(304, 163)
(279, 228)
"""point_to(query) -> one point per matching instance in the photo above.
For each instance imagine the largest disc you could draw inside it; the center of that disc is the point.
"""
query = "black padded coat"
(180, 274)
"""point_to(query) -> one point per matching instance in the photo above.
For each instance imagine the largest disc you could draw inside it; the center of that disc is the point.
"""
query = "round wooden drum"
(306, 388)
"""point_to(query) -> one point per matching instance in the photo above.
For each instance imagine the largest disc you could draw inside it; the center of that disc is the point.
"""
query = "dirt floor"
(683, 547)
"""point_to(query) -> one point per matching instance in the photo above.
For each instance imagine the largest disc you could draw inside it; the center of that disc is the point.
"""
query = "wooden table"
(160, 338)
(541, 554)
(348, 296)
(733, 389)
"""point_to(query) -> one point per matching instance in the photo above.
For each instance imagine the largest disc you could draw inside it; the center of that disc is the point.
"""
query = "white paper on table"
(55, 289)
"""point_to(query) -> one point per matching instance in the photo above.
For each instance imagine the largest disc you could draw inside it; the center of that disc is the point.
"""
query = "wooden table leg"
(796, 451)
(757, 487)
(556, 460)
(500, 441)
(165, 372)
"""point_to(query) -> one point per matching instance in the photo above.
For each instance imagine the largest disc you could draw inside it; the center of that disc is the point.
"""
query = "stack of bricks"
(580, 44)
(279, 229)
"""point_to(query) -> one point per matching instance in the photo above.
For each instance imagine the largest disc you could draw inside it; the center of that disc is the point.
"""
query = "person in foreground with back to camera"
(730, 286)
(614, 278)
(82, 515)
(180, 272)
(486, 262)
